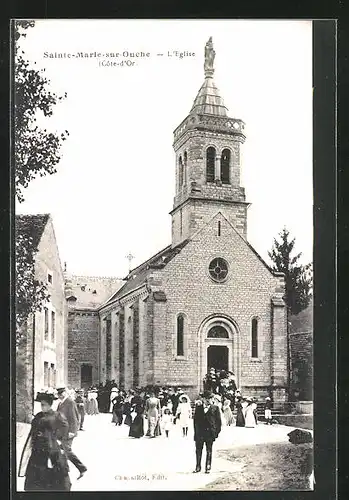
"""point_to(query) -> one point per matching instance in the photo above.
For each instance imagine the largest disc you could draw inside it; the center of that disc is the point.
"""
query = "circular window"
(218, 269)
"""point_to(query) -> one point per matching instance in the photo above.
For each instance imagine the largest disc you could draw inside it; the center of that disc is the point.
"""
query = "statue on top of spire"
(209, 58)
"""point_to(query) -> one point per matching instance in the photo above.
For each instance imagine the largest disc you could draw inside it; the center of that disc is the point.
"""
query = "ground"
(244, 459)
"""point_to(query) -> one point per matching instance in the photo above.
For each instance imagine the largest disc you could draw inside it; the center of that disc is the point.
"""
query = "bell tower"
(207, 147)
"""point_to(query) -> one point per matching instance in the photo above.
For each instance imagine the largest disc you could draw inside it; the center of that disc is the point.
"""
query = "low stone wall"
(304, 407)
(300, 421)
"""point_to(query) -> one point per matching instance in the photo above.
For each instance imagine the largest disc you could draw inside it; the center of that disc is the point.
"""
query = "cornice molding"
(209, 200)
(139, 292)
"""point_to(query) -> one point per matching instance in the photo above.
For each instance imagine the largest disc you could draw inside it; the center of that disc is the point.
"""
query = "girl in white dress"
(167, 421)
(184, 414)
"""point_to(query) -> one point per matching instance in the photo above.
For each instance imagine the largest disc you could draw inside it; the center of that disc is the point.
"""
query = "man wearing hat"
(67, 407)
(207, 426)
(175, 402)
(43, 462)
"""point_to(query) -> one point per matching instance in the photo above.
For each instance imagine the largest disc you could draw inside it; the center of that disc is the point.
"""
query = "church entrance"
(86, 375)
(218, 357)
(219, 345)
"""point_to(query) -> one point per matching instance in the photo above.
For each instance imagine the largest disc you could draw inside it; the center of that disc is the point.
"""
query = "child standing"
(228, 414)
(167, 421)
(267, 411)
(184, 413)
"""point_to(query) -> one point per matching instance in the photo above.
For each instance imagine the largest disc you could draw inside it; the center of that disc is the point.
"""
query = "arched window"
(210, 164)
(254, 339)
(225, 166)
(180, 335)
(185, 174)
(218, 332)
(180, 172)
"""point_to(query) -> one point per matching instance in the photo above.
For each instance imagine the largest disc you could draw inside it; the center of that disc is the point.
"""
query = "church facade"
(207, 299)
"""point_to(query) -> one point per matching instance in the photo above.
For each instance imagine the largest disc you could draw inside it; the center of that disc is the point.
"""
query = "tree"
(31, 294)
(298, 277)
(36, 153)
(298, 281)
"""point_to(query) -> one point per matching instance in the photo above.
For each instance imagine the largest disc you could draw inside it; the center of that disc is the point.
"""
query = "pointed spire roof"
(208, 100)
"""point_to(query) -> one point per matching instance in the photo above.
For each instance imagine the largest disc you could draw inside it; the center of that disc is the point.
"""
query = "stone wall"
(52, 351)
(196, 144)
(36, 348)
(193, 215)
(247, 293)
(205, 199)
(83, 345)
(301, 353)
(301, 357)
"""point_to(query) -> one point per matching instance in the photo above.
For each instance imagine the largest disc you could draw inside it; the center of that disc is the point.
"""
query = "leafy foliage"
(30, 293)
(298, 277)
(36, 153)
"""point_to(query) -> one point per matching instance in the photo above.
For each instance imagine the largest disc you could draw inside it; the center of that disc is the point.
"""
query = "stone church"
(207, 299)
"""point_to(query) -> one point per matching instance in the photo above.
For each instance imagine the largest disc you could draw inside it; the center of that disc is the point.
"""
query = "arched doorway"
(86, 375)
(219, 346)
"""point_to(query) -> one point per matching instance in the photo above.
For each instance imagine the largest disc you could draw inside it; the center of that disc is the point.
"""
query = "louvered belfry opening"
(225, 166)
(210, 164)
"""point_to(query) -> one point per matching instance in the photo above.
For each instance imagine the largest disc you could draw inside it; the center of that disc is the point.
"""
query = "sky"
(115, 185)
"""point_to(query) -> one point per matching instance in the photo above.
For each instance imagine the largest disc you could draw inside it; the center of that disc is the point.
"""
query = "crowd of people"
(151, 411)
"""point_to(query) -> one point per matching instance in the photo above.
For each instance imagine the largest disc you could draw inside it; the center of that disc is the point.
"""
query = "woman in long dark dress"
(118, 409)
(240, 418)
(43, 461)
(127, 408)
(137, 425)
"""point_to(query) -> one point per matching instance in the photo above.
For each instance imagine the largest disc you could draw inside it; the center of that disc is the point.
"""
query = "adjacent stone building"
(207, 299)
(42, 356)
(301, 354)
(85, 294)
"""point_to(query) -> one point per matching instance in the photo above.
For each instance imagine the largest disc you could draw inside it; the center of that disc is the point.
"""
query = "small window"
(53, 326)
(219, 228)
(185, 174)
(46, 374)
(52, 376)
(254, 344)
(49, 277)
(46, 323)
(180, 335)
(225, 166)
(180, 172)
(210, 164)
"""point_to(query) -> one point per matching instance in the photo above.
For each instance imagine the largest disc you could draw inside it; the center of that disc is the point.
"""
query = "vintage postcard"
(164, 242)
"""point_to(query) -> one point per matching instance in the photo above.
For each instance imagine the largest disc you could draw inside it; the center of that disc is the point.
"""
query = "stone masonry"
(174, 299)
(42, 357)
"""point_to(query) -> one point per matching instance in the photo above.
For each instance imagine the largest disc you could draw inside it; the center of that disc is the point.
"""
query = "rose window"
(218, 269)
